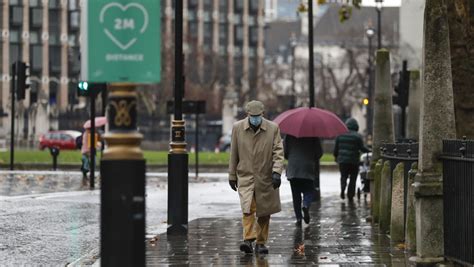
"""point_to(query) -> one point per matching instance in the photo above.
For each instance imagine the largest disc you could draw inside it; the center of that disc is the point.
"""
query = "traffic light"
(83, 89)
(402, 89)
(365, 101)
(22, 80)
(89, 89)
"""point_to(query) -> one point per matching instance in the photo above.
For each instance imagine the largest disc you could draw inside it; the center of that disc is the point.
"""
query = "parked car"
(224, 142)
(64, 140)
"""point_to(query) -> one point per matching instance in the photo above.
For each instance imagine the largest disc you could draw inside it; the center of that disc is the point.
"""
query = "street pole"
(378, 8)
(317, 191)
(12, 130)
(178, 156)
(92, 142)
(311, 55)
(197, 143)
(370, 92)
(293, 82)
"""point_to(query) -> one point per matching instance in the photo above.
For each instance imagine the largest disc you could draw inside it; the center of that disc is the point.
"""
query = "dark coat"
(348, 146)
(303, 156)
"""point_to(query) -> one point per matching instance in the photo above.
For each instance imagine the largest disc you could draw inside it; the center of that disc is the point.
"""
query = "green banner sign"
(121, 41)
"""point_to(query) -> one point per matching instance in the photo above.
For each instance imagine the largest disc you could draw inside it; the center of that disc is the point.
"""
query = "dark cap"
(254, 108)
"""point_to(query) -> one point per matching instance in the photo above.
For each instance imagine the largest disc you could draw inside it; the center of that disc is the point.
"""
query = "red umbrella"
(310, 122)
(99, 122)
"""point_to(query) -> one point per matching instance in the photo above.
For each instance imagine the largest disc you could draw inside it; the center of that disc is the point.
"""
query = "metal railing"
(404, 151)
(458, 200)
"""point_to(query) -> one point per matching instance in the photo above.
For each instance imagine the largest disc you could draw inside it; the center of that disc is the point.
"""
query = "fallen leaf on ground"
(300, 249)
(401, 246)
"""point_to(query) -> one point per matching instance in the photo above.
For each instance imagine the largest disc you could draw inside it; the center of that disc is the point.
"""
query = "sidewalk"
(337, 234)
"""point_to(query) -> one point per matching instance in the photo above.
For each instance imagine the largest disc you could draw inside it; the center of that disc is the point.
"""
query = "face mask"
(255, 120)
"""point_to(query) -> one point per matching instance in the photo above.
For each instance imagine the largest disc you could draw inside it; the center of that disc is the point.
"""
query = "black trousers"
(298, 187)
(350, 171)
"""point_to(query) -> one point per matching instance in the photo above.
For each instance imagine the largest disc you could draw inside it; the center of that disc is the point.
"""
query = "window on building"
(207, 33)
(208, 4)
(207, 16)
(254, 5)
(53, 91)
(16, 15)
(54, 4)
(36, 17)
(15, 2)
(35, 3)
(223, 34)
(74, 20)
(223, 6)
(239, 5)
(55, 58)
(73, 4)
(239, 34)
(222, 17)
(15, 52)
(253, 32)
(74, 61)
(35, 37)
(193, 3)
(36, 58)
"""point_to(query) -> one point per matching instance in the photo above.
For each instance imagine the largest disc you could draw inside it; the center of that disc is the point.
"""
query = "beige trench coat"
(253, 159)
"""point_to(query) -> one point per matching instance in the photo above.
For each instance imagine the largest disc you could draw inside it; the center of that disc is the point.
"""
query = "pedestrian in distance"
(86, 154)
(347, 153)
(303, 156)
(255, 167)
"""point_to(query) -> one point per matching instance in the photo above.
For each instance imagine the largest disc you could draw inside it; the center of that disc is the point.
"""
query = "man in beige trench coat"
(256, 164)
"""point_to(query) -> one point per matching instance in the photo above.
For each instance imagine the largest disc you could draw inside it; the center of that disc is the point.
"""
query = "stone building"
(45, 34)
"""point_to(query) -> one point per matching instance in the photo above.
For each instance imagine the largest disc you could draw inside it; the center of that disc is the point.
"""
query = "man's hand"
(276, 180)
(233, 185)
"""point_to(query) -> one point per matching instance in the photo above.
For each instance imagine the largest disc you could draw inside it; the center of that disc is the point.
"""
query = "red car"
(63, 140)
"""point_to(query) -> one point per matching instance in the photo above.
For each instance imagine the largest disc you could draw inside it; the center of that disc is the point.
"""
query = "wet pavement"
(338, 234)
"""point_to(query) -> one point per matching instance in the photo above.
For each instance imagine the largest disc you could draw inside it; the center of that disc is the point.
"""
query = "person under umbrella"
(347, 153)
(303, 156)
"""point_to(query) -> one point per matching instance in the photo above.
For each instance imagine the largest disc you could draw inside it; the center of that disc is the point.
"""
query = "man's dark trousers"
(349, 171)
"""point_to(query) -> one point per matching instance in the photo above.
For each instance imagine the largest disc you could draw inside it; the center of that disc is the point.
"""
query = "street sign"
(121, 41)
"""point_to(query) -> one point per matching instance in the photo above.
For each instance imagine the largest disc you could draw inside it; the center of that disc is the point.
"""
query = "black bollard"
(54, 151)
(122, 171)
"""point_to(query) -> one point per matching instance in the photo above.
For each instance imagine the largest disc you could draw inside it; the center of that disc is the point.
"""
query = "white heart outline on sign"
(124, 8)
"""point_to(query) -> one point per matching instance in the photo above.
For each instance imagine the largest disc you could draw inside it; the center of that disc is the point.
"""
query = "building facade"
(46, 35)
(230, 32)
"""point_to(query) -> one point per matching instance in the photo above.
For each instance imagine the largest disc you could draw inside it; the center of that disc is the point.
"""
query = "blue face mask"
(255, 120)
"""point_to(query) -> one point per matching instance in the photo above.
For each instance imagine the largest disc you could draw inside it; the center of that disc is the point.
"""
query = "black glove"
(233, 184)
(276, 180)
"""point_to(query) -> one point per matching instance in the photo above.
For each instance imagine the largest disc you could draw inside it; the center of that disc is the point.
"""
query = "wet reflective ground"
(337, 235)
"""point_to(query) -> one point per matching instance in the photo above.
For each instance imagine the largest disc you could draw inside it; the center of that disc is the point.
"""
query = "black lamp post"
(293, 65)
(178, 156)
(378, 8)
(311, 53)
(370, 32)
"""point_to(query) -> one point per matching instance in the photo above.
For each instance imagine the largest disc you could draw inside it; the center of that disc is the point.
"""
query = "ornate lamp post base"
(122, 172)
